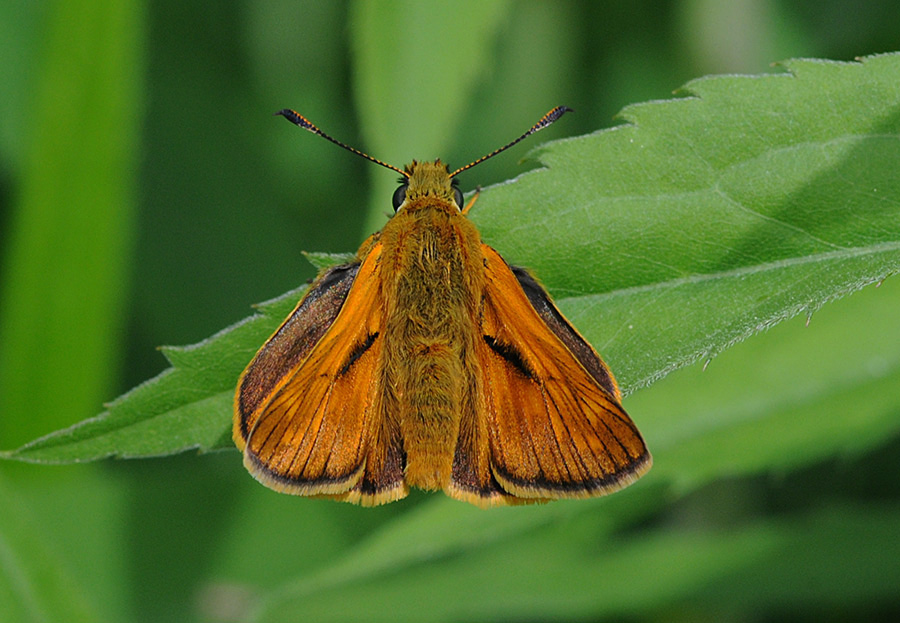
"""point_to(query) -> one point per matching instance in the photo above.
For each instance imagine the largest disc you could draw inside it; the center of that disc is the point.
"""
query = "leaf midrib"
(841, 254)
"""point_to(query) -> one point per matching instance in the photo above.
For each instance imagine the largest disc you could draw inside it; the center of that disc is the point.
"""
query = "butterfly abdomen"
(429, 329)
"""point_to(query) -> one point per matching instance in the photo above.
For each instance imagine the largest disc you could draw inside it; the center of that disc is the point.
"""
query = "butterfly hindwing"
(555, 425)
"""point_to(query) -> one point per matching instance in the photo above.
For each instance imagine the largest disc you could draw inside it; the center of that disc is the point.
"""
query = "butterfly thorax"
(432, 287)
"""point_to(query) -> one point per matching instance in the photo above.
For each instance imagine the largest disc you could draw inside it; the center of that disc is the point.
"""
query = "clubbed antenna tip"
(546, 120)
(299, 120)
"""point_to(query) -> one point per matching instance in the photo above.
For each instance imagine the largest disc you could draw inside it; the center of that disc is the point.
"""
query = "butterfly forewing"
(554, 430)
(317, 432)
(290, 344)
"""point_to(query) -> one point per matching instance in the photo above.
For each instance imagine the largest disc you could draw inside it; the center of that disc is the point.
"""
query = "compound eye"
(399, 196)
(458, 197)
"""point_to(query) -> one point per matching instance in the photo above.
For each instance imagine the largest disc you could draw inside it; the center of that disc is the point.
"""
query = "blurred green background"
(147, 197)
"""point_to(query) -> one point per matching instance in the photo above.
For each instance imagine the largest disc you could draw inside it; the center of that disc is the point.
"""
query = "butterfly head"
(427, 179)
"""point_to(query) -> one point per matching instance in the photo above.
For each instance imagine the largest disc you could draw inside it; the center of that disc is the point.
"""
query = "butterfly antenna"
(546, 120)
(299, 120)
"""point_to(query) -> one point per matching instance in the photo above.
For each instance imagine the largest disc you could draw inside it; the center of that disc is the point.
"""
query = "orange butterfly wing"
(319, 428)
(548, 419)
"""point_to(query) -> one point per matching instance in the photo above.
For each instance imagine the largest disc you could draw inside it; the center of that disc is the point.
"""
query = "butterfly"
(430, 362)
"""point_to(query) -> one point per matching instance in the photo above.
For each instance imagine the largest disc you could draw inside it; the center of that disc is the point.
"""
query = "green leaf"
(700, 222)
(324, 260)
(792, 397)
